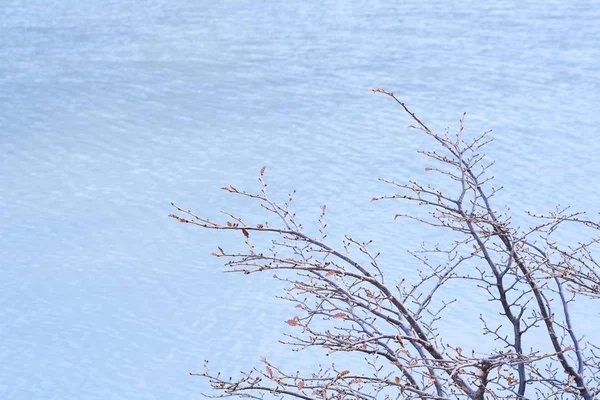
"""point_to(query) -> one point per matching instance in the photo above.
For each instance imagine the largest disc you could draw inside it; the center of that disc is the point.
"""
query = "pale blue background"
(111, 109)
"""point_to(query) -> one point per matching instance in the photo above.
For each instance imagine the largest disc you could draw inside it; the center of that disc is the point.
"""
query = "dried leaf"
(269, 371)
(292, 322)
(323, 208)
(226, 189)
(245, 232)
(301, 385)
(221, 250)
(339, 315)
(399, 339)
(344, 373)
(459, 350)
(262, 170)
(428, 169)
(330, 273)
(229, 223)
(397, 380)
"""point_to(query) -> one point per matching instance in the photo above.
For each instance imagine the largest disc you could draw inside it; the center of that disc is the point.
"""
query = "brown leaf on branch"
(229, 223)
(269, 372)
(397, 380)
(292, 322)
(262, 170)
(245, 232)
(344, 373)
(221, 250)
(339, 315)
(301, 385)
(399, 339)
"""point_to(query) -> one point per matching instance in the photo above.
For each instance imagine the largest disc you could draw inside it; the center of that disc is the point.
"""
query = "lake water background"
(111, 109)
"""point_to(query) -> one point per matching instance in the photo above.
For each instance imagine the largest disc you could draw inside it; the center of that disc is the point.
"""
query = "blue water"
(111, 109)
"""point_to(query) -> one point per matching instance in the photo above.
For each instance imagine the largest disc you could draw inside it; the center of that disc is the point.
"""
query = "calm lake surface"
(112, 109)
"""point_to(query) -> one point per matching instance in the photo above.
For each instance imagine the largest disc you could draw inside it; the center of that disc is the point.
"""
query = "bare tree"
(345, 304)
